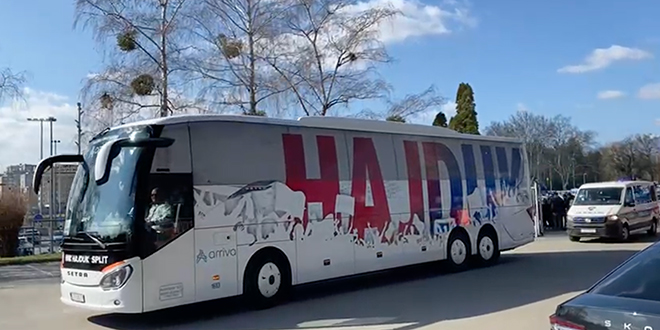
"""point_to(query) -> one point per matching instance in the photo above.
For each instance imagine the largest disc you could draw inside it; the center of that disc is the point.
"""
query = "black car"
(628, 298)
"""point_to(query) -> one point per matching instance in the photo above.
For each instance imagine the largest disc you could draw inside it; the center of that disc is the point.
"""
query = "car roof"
(611, 184)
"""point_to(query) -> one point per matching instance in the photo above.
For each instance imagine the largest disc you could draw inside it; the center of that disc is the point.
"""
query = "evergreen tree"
(440, 120)
(465, 120)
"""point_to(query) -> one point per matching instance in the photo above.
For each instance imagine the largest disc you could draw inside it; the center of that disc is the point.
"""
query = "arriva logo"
(215, 254)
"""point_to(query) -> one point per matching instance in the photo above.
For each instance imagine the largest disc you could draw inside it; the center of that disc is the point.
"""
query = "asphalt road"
(519, 293)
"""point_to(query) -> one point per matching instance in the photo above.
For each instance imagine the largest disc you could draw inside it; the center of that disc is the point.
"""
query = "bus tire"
(458, 250)
(488, 249)
(267, 280)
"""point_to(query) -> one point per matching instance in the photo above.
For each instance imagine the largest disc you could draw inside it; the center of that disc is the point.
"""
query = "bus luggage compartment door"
(215, 263)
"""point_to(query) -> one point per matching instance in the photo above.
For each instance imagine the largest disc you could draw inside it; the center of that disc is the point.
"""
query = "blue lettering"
(433, 154)
(489, 177)
(509, 178)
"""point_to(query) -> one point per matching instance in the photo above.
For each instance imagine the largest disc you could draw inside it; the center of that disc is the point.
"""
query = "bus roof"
(341, 123)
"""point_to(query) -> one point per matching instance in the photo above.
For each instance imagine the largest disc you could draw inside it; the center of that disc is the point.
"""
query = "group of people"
(554, 209)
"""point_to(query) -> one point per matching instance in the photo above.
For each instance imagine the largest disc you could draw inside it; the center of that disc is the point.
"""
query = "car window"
(630, 198)
(642, 194)
(637, 278)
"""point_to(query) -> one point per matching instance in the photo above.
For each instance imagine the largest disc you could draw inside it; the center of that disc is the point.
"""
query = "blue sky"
(511, 57)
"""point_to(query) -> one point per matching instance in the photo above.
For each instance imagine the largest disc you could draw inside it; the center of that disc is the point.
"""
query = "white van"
(613, 210)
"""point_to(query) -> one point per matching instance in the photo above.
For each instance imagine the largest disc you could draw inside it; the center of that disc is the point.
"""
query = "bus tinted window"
(170, 209)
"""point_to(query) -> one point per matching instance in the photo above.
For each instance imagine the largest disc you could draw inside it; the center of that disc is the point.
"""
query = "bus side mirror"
(111, 149)
(44, 164)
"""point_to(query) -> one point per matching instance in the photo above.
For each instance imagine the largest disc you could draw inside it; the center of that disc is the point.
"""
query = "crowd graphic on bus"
(368, 210)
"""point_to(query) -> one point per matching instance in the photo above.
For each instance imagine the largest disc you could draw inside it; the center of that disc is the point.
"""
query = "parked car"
(31, 234)
(25, 248)
(626, 298)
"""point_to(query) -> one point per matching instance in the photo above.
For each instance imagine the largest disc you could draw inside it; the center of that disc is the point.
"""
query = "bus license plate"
(588, 231)
(77, 297)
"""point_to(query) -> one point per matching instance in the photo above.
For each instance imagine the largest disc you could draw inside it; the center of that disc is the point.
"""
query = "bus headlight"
(116, 278)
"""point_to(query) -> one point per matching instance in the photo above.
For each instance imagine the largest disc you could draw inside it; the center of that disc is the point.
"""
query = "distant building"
(64, 174)
(20, 177)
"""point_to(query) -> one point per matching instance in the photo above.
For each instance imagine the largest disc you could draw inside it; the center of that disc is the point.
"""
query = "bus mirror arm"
(47, 163)
(110, 150)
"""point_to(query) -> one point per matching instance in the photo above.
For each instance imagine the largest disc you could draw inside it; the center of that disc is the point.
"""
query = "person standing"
(558, 211)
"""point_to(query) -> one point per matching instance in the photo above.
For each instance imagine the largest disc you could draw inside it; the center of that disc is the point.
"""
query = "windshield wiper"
(93, 238)
(100, 134)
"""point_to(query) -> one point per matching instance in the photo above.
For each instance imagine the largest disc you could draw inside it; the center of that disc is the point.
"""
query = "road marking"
(40, 270)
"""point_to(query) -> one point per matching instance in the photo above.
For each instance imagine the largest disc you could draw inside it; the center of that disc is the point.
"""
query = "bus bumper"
(125, 300)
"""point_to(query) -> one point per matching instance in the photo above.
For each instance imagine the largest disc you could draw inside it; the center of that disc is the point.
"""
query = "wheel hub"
(486, 248)
(458, 252)
(269, 280)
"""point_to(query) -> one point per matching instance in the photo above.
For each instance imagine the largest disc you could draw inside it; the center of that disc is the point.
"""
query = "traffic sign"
(38, 217)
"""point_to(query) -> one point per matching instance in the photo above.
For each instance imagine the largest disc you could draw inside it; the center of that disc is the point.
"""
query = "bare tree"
(635, 156)
(146, 30)
(622, 158)
(414, 104)
(327, 51)
(647, 148)
(236, 36)
(11, 84)
(567, 143)
(534, 130)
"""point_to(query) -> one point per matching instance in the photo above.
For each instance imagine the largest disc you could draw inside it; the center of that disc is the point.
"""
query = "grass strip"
(33, 259)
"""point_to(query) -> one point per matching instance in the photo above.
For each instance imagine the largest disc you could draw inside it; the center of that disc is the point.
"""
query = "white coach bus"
(184, 209)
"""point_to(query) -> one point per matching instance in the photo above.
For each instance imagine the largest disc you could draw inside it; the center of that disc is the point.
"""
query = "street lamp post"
(59, 202)
(52, 182)
(41, 147)
(41, 121)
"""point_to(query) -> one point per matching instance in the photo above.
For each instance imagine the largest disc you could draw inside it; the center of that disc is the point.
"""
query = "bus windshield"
(599, 196)
(105, 212)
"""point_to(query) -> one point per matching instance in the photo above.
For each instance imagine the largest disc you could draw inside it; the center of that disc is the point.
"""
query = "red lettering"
(415, 193)
(366, 167)
(433, 181)
(323, 190)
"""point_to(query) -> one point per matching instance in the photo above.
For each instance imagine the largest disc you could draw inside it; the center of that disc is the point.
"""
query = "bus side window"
(170, 210)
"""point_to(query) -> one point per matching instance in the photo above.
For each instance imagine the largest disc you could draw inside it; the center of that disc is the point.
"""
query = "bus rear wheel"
(489, 250)
(267, 281)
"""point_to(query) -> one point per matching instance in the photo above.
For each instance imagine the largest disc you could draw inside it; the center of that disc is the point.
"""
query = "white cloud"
(649, 92)
(19, 138)
(522, 107)
(601, 58)
(449, 109)
(610, 94)
(414, 19)
(418, 19)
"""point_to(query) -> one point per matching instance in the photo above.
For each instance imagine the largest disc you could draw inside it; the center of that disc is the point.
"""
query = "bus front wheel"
(267, 281)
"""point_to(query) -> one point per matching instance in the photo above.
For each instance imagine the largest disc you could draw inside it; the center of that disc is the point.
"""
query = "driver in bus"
(161, 214)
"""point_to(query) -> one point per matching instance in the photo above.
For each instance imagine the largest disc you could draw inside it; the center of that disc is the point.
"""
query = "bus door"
(168, 241)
